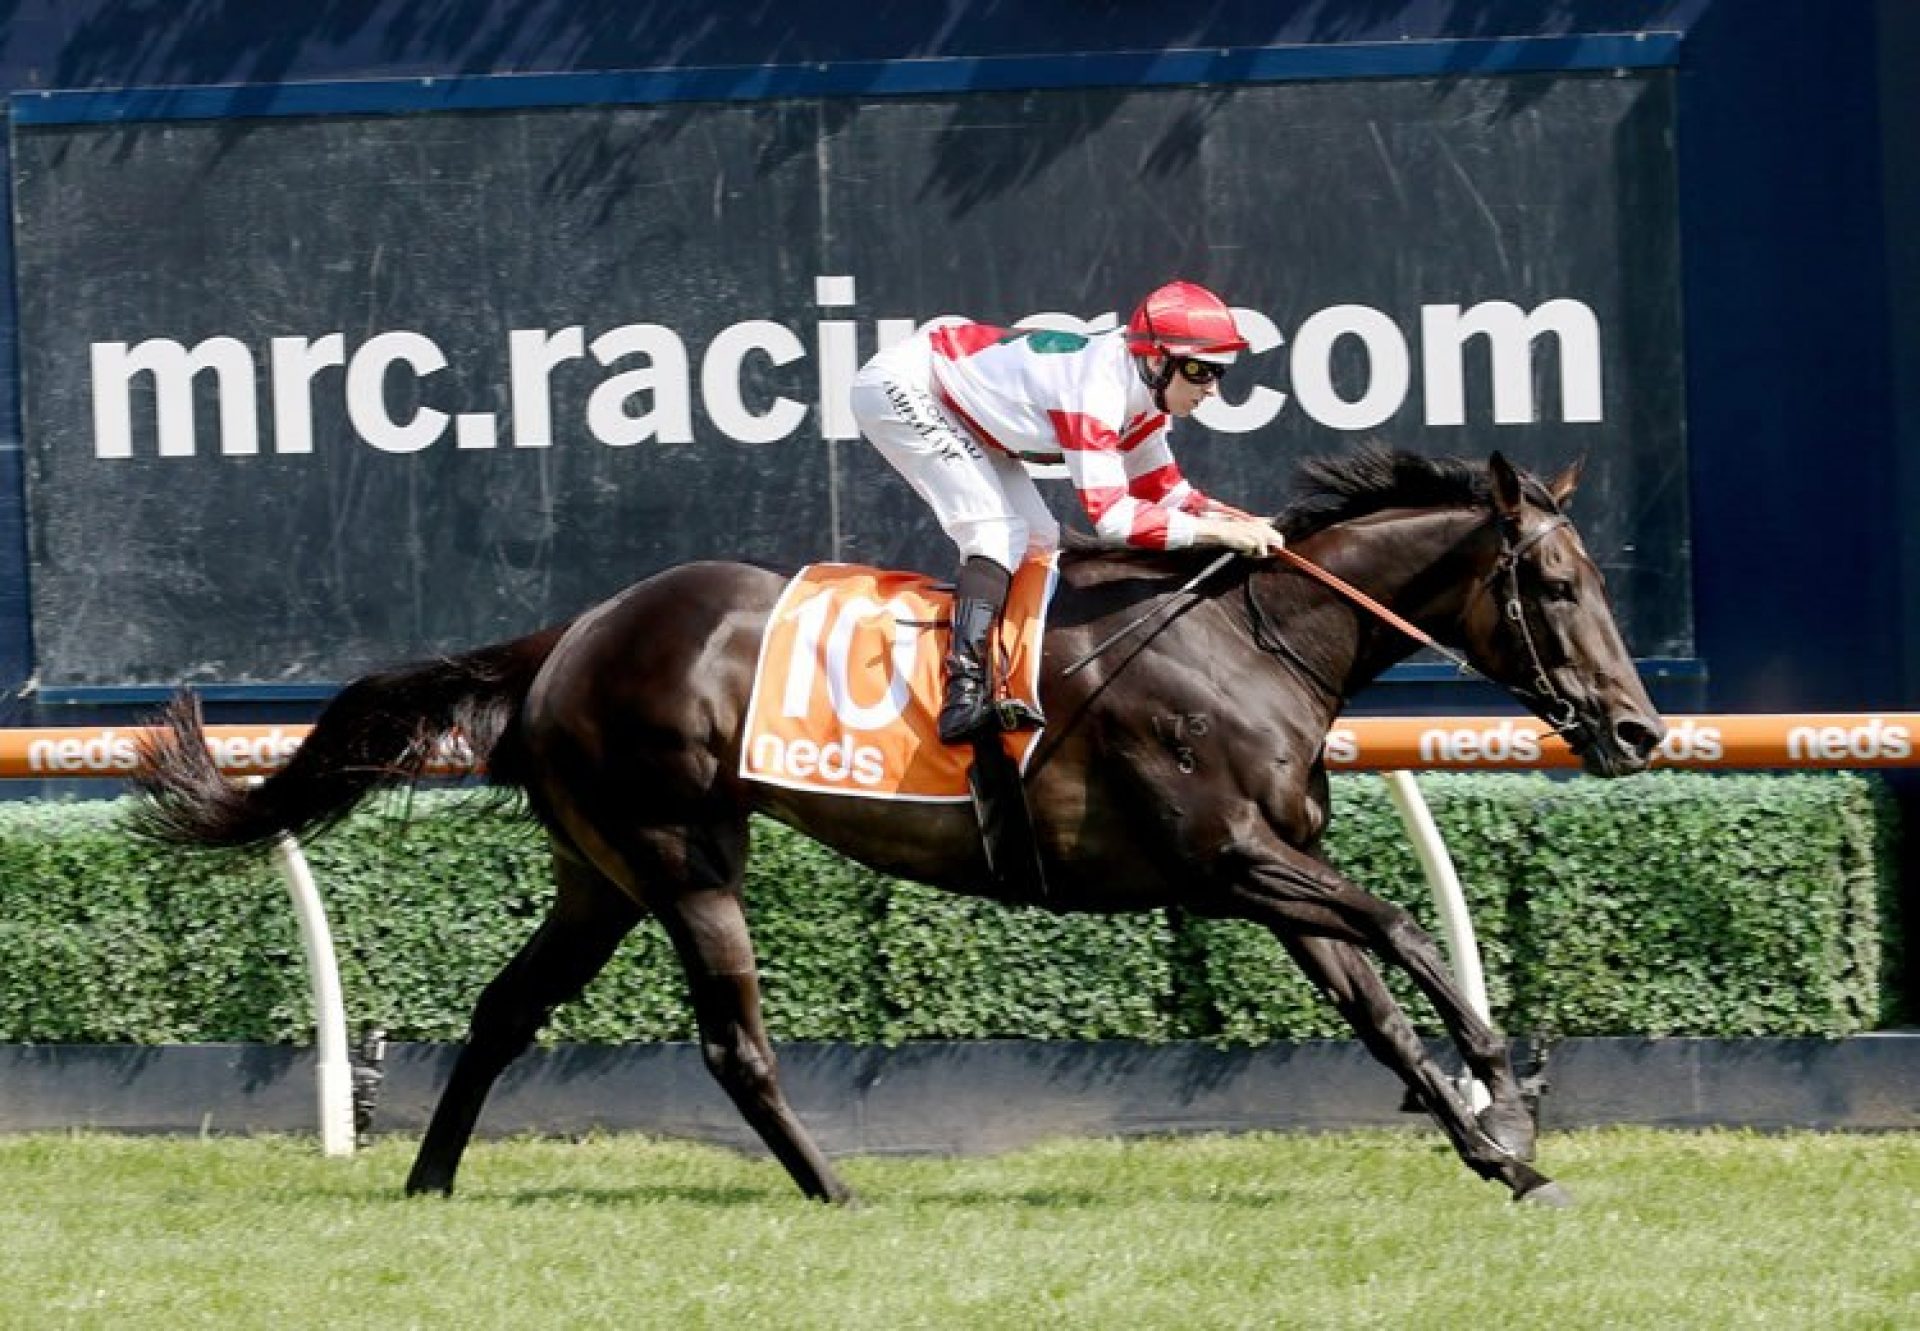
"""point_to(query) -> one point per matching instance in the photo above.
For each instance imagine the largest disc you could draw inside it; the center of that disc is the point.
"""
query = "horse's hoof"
(1548, 1194)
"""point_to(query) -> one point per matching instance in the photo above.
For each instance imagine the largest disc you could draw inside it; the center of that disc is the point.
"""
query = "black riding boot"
(968, 707)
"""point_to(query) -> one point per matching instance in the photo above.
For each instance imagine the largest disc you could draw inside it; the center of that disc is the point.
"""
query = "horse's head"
(1541, 625)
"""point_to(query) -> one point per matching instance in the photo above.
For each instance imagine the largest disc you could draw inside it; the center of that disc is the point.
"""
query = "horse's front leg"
(1402, 942)
(1343, 972)
(1484, 1049)
(1324, 920)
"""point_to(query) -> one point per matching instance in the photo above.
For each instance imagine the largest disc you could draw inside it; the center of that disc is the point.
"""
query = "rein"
(1306, 566)
(1365, 602)
(1556, 709)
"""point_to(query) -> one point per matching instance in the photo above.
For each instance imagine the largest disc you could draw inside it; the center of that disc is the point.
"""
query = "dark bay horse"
(623, 729)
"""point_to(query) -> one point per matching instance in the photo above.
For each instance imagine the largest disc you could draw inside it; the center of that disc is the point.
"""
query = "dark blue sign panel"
(309, 394)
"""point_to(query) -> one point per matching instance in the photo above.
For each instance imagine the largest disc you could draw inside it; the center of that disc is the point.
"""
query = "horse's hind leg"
(709, 929)
(588, 919)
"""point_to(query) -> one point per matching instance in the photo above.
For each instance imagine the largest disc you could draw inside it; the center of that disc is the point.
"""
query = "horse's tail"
(384, 729)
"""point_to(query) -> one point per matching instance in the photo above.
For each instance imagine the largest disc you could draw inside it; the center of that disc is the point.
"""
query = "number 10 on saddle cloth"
(849, 680)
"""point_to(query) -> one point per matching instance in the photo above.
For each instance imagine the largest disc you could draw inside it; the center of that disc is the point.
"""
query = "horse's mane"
(1370, 479)
(1329, 490)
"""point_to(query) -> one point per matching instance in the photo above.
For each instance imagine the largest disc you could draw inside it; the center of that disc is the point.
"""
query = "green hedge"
(1671, 904)
(1667, 904)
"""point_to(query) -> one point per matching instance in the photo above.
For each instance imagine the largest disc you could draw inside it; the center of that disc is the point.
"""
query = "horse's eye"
(1558, 589)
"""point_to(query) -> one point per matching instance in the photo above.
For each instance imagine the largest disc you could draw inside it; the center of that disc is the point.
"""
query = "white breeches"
(983, 499)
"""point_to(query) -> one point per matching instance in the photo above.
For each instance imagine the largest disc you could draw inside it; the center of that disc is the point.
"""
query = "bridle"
(1552, 706)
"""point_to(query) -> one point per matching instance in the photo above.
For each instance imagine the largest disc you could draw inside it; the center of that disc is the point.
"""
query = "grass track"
(1697, 1230)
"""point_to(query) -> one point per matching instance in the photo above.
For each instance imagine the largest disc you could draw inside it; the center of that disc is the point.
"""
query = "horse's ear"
(1567, 482)
(1506, 486)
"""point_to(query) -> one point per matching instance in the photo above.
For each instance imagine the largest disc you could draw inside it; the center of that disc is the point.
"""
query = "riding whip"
(1159, 607)
(1306, 566)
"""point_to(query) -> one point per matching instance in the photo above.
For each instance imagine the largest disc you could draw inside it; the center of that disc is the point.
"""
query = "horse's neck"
(1417, 564)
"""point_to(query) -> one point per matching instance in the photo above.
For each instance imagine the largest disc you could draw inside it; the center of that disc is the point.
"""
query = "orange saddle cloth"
(849, 682)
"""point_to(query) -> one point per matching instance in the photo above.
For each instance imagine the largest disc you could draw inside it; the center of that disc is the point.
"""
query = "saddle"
(848, 685)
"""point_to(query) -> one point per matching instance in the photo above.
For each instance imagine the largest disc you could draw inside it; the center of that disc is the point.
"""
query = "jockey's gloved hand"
(1245, 535)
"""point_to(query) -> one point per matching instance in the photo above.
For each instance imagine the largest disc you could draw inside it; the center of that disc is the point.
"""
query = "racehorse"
(623, 729)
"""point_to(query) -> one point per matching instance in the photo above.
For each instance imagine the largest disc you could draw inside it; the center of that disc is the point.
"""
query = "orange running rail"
(1805, 742)
(1480, 743)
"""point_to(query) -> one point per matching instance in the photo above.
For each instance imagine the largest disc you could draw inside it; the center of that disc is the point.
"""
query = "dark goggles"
(1199, 371)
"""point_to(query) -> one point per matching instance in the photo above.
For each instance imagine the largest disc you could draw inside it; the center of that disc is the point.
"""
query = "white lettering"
(1510, 333)
(1342, 746)
(532, 354)
(653, 397)
(1508, 742)
(796, 698)
(720, 381)
(665, 377)
(294, 362)
(905, 646)
(892, 332)
(1388, 368)
(113, 750)
(767, 754)
(842, 761)
(367, 392)
(811, 615)
(106, 751)
(173, 369)
(1689, 741)
(839, 359)
(1875, 740)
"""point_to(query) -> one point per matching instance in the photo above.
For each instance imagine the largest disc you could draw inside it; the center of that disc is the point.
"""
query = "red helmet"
(1181, 319)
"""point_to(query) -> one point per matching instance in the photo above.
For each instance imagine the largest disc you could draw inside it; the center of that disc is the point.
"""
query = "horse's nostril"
(1637, 735)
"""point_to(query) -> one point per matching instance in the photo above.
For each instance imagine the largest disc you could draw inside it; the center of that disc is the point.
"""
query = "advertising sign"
(306, 395)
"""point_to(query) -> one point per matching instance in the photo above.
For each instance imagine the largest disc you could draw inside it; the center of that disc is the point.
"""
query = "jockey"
(959, 407)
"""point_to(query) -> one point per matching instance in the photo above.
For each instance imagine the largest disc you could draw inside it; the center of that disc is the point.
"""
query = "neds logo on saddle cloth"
(848, 684)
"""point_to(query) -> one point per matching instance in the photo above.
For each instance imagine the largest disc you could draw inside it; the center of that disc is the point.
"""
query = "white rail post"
(1463, 946)
(329, 1009)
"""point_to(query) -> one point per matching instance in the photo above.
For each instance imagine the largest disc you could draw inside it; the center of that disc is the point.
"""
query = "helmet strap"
(1157, 382)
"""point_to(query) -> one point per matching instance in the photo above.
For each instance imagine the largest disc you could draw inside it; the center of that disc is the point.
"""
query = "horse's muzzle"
(1620, 744)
